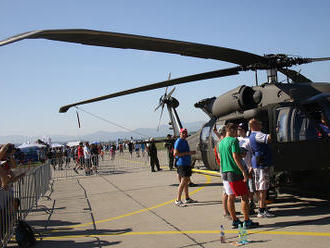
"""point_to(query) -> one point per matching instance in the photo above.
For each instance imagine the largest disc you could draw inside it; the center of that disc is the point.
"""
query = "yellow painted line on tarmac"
(207, 172)
(187, 232)
(208, 180)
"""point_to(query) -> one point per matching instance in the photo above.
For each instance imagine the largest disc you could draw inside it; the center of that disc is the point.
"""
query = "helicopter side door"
(298, 142)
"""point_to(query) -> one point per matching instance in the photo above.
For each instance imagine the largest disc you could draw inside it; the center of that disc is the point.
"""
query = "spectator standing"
(130, 147)
(121, 149)
(152, 152)
(169, 144)
(221, 133)
(244, 143)
(80, 158)
(95, 157)
(143, 149)
(87, 158)
(261, 163)
(137, 149)
(183, 154)
(233, 172)
(112, 151)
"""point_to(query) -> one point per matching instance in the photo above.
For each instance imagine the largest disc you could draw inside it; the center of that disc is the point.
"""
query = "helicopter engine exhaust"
(239, 99)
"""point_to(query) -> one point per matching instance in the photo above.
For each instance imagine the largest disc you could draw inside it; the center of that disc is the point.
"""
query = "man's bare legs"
(183, 186)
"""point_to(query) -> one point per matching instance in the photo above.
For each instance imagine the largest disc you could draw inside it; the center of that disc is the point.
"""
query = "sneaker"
(236, 223)
(265, 214)
(250, 224)
(179, 203)
(75, 170)
(252, 212)
(189, 200)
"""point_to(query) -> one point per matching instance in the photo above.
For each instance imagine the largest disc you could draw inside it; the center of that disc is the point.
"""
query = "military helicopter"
(291, 112)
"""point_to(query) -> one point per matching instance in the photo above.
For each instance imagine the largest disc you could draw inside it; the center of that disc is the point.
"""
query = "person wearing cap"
(183, 155)
(234, 173)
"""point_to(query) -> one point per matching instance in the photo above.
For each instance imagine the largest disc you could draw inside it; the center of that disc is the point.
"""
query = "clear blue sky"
(39, 76)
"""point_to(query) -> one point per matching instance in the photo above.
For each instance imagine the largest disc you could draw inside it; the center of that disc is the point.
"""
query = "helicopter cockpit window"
(205, 133)
(282, 127)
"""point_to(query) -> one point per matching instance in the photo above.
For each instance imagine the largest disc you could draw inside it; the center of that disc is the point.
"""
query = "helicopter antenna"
(256, 75)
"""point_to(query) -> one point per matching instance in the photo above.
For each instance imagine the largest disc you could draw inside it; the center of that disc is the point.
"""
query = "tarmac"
(132, 207)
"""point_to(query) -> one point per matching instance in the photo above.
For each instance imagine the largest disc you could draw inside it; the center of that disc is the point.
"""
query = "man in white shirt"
(87, 157)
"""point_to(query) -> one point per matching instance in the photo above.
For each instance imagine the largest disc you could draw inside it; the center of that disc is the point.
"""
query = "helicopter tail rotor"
(163, 100)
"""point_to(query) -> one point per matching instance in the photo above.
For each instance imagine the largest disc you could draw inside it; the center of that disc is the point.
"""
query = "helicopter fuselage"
(290, 113)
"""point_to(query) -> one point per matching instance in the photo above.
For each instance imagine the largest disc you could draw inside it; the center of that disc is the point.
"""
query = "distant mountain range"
(103, 135)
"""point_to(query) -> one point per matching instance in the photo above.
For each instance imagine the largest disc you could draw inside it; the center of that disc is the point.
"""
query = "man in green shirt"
(234, 176)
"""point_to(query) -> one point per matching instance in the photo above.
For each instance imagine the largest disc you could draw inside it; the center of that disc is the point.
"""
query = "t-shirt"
(182, 146)
(80, 151)
(87, 152)
(227, 147)
(245, 143)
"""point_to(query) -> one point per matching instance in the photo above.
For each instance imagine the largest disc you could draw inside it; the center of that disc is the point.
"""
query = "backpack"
(24, 235)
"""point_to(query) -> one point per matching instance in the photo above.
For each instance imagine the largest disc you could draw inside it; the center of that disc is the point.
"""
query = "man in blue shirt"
(183, 155)
(261, 162)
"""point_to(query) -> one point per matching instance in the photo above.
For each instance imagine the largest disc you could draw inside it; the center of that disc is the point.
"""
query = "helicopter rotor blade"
(171, 92)
(160, 104)
(319, 59)
(295, 76)
(191, 78)
(160, 118)
(130, 41)
(165, 95)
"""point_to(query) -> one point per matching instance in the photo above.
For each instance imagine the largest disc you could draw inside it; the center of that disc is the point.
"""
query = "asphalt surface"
(126, 205)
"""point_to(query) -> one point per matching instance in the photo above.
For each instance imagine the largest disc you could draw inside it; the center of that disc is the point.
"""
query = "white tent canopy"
(25, 145)
(55, 145)
(73, 143)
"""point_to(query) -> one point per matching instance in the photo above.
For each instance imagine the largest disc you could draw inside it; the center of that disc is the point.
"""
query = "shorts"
(184, 170)
(262, 178)
(227, 188)
(239, 187)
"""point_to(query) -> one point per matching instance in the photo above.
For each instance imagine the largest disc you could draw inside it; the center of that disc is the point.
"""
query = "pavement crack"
(89, 204)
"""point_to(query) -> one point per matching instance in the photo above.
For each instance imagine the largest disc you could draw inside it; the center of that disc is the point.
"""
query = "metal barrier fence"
(20, 198)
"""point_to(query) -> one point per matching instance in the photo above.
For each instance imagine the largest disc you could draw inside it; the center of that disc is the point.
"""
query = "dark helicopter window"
(304, 128)
(294, 125)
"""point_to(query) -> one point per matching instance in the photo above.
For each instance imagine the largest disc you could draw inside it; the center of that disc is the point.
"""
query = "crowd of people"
(245, 164)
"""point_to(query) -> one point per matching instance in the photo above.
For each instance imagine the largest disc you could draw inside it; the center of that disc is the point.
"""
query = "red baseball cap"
(183, 130)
